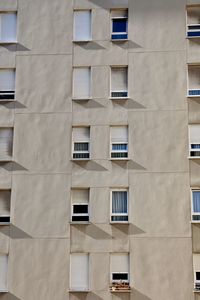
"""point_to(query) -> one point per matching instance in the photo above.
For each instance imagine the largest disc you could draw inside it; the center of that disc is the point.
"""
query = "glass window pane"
(196, 201)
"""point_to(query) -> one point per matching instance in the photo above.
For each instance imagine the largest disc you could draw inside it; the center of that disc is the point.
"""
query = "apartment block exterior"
(99, 150)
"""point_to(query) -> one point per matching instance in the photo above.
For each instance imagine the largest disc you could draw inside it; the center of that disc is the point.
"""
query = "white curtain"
(82, 25)
(8, 27)
(119, 202)
(119, 80)
(7, 80)
(3, 271)
(79, 271)
(81, 83)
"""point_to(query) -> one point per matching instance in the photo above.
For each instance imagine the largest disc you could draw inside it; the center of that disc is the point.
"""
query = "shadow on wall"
(89, 103)
(128, 229)
(139, 296)
(15, 47)
(90, 165)
(94, 232)
(128, 104)
(14, 232)
(8, 296)
(90, 45)
(128, 165)
(12, 166)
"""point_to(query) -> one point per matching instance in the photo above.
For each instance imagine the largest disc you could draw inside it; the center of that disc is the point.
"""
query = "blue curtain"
(196, 201)
(119, 202)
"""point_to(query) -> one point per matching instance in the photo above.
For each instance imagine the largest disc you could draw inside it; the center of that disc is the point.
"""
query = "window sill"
(119, 40)
(79, 223)
(121, 159)
(195, 222)
(7, 100)
(3, 291)
(80, 159)
(4, 223)
(8, 42)
(120, 223)
(120, 290)
(193, 157)
(2, 160)
(78, 291)
(81, 99)
(82, 41)
(119, 98)
(196, 291)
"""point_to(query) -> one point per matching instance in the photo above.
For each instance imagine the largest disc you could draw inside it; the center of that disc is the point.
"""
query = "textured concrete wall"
(40, 239)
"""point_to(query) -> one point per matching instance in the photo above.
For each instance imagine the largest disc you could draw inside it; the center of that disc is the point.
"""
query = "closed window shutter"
(80, 196)
(119, 262)
(5, 202)
(81, 83)
(119, 80)
(3, 271)
(79, 273)
(7, 80)
(6, 140)
(119, 134)
(194, 134)
(81, 134)
(82, 25)
(8, 27)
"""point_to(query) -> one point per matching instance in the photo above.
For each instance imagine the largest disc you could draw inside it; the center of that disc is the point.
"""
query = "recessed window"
(82, 25)
(7, 84)
(193, 21)
(3, 272)
(194, 137)
(119, 142)
(119, 206)
(81, 83)
(119, 266)
(119, 82)
(194, 80)
(119, 23)
(81, 143)
(5, 196)
(8, 27)
(6, 144)
(80, 205)
(79, 272)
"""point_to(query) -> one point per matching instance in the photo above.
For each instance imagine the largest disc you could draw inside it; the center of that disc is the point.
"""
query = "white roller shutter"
(81, 83)
(194, 131)
(8, 27)
(80, 196)
(3, 271)
(7, 80)
(79, 271)
(119, 134)
(119, 13)
(119, 80)
(5, 202)
(82, 25)
(81, 134)
(119, 262)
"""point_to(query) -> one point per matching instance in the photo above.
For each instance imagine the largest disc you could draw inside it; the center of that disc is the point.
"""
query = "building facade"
(99, 150)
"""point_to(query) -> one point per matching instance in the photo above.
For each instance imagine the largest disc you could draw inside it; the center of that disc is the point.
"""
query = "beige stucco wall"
(158, 238)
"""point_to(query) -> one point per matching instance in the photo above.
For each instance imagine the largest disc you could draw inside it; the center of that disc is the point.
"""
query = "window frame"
(2, 42)
(91, 21)
(118, 280)
(119, 151)
(119, 91)
(81, 152)
(90, 82)
(111, 25)
(192, 206)
(12, 94)
(89, 273)
(119, 214)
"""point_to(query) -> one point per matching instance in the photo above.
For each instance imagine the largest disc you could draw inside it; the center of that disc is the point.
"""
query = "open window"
(119, 24)
(80, 205)
(8, 27)
(5, 196)
(119, 206)
(119, 266)
(193, 21)
(119, 142)
(82, 25)
(3, 272)
(6, 144)
(81, 143)
(119, 82)
(79, 272)
(82, 83)
(7, 84)
(194, 138)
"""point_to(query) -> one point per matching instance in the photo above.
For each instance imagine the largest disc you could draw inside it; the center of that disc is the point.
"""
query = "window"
(119, 82)
(79, 272)
(119, 142)
(82, 25)
(81, 143)
(81, 83)
(8, 27)
(119, 206)
(7, 84)
(119, 265)
(119, 23)
(197, 280)
(193, 80)
(3, 272)
(5, 196)
(6, 141)
(194, 137)
(193, 21)
(196, 267)
(80, 203)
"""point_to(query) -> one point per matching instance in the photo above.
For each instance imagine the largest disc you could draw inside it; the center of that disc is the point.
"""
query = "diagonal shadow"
(14, 232)
(89, 103)
(90, 45)
(128, 104)
(105, 4)
(195, 160)
(95, 296)
(133, 229)
(13, 105)
(133, 45)
(94, 232)
(139, 296)
(90, 165)
(79, 295)
(15, 47)
(132, 165)
(128, 229)
(8, 296)
(12, 166)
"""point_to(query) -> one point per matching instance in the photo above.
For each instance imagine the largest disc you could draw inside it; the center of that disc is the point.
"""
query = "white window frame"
(91, 21)
(119, 91)
(119, 214)
(191, 24)
(116, 143)
(81, 152)
(111, 25)
(192, 209)
(190, 144)
(91, 74)
(79, 215)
